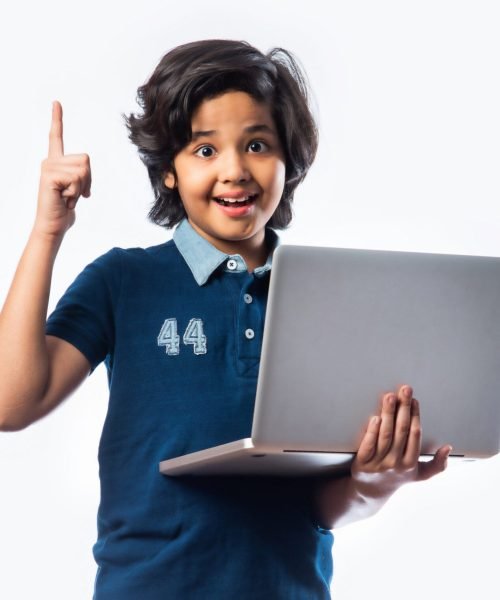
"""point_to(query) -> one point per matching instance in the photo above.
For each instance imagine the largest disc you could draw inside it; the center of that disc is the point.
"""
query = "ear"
(170, 180)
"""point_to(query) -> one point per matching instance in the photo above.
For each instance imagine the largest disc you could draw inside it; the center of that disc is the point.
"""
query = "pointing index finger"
(56, 146)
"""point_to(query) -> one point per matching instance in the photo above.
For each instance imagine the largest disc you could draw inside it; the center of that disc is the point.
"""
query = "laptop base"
(243, 457)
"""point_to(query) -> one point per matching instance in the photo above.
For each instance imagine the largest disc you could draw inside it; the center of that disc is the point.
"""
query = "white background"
(407, 97)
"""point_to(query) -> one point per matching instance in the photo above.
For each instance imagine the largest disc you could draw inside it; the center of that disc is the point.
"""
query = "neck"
(254, 252)
(254, 249)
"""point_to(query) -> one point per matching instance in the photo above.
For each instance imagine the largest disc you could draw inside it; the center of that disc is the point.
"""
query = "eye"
(258, 146)
(205, 151)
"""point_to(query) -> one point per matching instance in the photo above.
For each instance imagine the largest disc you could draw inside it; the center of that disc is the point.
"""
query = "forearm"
(340, 501)
(24, 364)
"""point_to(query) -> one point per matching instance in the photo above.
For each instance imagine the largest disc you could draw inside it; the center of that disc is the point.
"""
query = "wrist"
(44, 246)
(375, 487)
(47, 239)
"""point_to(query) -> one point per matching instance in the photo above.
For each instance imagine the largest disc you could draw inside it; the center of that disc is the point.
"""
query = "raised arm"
(38, 371)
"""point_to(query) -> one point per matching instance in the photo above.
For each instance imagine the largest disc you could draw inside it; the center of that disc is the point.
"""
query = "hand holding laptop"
(387, 458)
(388, 453)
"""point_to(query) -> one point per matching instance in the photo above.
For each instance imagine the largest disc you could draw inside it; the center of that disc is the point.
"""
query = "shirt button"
(248, 299)
(249, 334)
(232, 264)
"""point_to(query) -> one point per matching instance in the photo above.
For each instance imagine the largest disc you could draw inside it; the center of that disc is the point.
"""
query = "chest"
(170, 331)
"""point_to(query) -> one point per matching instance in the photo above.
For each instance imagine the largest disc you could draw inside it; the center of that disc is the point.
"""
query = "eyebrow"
(252, 129)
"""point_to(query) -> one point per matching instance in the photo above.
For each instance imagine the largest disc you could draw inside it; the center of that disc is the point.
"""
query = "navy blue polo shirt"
(179, 327)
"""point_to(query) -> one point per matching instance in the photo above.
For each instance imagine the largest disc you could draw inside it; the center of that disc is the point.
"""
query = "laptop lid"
(344, 326)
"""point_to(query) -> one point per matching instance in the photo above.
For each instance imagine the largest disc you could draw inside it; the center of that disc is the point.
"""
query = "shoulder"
(137, 254)
(123, 258)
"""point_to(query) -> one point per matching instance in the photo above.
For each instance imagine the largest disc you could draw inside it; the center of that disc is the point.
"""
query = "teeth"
(229, 201)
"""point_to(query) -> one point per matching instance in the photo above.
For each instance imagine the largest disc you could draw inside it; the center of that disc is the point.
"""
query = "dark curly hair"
(205, 69)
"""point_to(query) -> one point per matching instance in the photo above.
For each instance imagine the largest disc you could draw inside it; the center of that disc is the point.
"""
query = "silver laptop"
(344, 326)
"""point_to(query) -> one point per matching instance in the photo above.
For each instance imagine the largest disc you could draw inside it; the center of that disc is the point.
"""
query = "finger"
(62, 167)
(64, 174)
(76, 160)
(438, 464)
(79, 163)
(56, 145)
(386, 432)
(402, 421)
(368, 444)
(88, 182)
(86, 191)
(72, 192)
(413, 445)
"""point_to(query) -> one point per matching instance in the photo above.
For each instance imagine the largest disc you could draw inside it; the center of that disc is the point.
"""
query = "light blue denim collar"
(203, 258)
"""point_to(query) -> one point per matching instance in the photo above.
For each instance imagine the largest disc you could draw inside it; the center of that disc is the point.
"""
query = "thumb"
(438, 464)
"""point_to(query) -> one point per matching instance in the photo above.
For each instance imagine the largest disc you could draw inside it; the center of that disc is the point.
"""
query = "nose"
(233, 167)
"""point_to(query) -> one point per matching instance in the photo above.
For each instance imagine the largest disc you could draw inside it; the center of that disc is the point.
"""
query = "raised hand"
(388, 454)
(63, 179)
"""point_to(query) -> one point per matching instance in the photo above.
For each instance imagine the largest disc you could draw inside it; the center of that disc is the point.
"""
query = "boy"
(226, 135)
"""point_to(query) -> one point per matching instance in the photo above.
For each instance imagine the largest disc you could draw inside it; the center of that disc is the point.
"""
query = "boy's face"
(235, 154)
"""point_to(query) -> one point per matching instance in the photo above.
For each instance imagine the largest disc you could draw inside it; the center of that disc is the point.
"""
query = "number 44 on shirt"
(193, 335)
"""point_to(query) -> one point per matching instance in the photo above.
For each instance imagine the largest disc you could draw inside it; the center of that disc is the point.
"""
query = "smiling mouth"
(234, 202)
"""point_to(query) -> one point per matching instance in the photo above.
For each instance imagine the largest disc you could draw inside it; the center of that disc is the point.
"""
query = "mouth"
(236, 202)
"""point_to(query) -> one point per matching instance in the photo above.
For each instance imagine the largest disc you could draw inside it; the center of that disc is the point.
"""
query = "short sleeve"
(85, 315)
